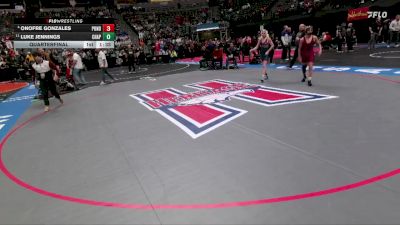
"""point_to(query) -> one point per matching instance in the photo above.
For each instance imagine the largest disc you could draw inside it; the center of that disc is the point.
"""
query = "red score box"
(108, 27)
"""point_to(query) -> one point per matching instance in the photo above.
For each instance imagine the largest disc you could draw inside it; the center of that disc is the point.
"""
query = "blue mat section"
(13, 107)
(341, 69)
(324, 68)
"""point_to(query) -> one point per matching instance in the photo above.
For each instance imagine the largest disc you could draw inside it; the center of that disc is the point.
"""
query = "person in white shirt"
(77, 66)
(394, 31)
(46, 76)
(102, 59)
(286, 38)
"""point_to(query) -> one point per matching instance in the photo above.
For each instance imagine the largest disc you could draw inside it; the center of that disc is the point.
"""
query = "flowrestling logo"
(202, 111)
(377, 14)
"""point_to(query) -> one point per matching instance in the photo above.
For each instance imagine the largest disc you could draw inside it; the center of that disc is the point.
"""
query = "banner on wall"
(357, 14)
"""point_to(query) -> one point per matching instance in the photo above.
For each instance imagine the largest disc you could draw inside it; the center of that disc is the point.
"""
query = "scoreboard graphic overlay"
(64, 33)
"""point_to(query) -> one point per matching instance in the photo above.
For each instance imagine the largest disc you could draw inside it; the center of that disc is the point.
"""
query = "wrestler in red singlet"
(307, 54)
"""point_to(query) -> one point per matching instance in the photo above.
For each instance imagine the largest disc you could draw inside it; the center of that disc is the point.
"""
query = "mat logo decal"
(202, 111)
(3, 120)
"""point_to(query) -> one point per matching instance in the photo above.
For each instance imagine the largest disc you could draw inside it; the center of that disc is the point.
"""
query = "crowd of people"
(294, 7)
(151, 26)
(99, 12)
(253, 11)
(287, 8)
(336, 4)
(384, 31)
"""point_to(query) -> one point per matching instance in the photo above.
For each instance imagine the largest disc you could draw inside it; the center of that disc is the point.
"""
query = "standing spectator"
(29, 60)
(68, 72)
(350, 37)
(385, 30)
(339, 39)
(77, 66)
(289, 39)
(101, 57)
(131, 59)
(379, 24)
(272, 52)
(373, 30)
(394, 31)
(141, 57)
(245, 48)
(84, 59)
(286, 39)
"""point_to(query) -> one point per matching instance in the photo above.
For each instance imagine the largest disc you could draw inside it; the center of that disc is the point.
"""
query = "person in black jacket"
(300, 35)
(131, 59)
(374, 30)
(350, 34)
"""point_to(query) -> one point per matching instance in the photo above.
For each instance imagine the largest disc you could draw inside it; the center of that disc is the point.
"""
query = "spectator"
(77, 66)
(103, 64)
(374, 30)
(231, 54)
(351, 36)
(286, 38)
(299, 36)
(394, 29)
(326, 40)
(131, 59)
(218, 56)
(340, 37)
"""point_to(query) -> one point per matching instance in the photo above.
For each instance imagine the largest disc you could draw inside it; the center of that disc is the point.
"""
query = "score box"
(108, 27)
(108, 36)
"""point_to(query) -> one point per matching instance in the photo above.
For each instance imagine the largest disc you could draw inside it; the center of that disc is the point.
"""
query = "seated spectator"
(231, 54)
(173, 55)
(326, 40)
(218, 56)
(207, 57)
(165, 56)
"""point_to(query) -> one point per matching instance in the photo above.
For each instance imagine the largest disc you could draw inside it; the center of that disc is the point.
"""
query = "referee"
(300, 35)
(46, 76)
